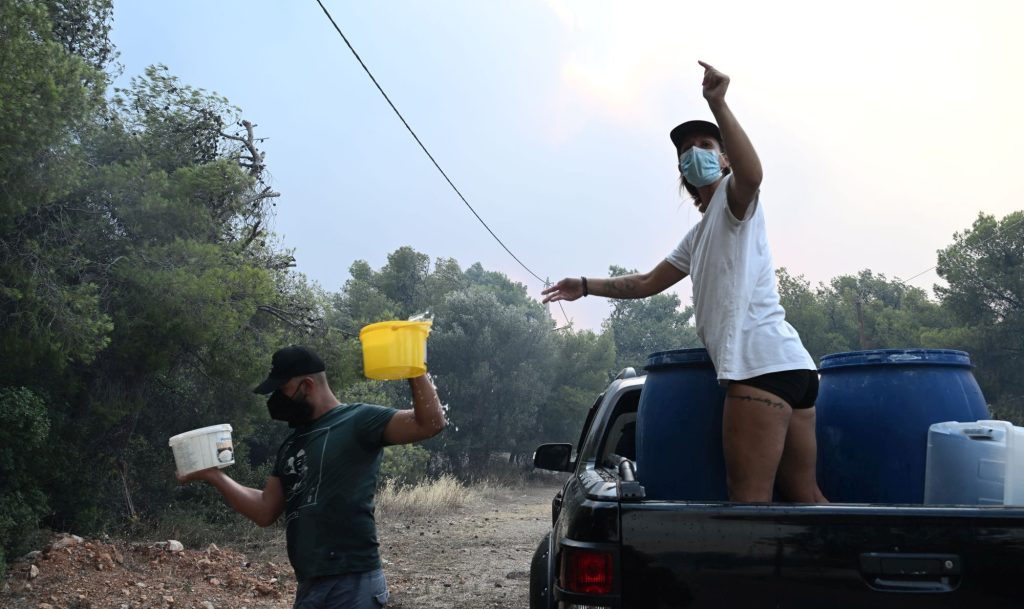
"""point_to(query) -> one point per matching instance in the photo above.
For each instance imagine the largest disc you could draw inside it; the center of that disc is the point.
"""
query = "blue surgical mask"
(700, 166)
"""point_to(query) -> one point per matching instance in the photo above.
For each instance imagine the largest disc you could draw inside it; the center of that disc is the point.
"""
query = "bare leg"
(797, 476)
(754, 427)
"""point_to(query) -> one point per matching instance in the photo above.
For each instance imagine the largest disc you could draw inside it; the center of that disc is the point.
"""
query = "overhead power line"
(997, 233)
(430, 156)
(418, 141)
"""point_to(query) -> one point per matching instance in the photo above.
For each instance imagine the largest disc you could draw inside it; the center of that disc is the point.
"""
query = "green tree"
(403, 280)
(52, 322)
(873, 312)
(494, 365)
(984, 272)
(863, 311)
(47, 93)
(805, 311)
(49, 309)
(581, 369)
(140, 289)
(82, 27)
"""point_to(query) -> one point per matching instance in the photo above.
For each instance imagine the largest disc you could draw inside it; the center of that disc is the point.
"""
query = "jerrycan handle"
(988, 430)
(980, 433)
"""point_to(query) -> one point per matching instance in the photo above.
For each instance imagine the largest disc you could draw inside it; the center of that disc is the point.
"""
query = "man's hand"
(202, 474)
(715, 83)
(568, 289)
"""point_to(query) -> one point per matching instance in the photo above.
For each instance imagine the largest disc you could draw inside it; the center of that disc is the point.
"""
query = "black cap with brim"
(288, 363)
(685, 130)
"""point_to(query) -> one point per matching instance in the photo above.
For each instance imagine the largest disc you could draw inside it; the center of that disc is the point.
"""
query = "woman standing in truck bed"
(768, 421)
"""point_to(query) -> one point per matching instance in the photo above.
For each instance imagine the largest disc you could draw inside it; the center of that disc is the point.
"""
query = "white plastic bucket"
(203, 448)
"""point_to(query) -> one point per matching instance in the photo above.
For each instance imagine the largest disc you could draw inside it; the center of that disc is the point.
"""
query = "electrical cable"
(416, 137)
(997, 233)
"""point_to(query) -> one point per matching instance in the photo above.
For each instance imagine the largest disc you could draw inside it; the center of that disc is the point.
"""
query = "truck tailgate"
(678, 554)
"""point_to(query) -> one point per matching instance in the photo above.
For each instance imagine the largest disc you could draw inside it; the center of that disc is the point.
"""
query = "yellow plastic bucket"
(395, 349)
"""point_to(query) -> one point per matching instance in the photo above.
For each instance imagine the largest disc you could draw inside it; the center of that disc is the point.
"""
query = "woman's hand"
(743, 160)
(715, 84)
(568, 289)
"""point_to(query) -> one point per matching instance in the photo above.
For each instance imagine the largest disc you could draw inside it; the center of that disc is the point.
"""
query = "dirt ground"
(477, 556)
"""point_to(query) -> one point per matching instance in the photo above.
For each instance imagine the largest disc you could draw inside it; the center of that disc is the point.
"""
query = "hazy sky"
(883, 127)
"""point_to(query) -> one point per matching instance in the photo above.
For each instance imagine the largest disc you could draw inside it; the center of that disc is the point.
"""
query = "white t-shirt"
(735, 300)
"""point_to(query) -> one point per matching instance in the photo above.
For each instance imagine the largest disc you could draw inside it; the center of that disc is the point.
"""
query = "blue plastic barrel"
(873, 413)
(679, 428)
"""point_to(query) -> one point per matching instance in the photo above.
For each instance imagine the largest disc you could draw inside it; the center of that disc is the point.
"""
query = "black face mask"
(288, 409)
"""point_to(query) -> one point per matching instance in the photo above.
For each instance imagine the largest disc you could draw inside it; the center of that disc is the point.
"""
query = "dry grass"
(501, 478)
(489, 489)
(434, 497)
(448, 494)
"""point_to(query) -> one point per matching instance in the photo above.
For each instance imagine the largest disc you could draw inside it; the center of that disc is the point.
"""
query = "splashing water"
(424, 316)
(444, 406)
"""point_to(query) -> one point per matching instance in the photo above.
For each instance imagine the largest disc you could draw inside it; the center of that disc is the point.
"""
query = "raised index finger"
(705, 65)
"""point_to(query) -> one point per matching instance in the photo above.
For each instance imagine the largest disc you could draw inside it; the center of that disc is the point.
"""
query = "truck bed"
(679, 554)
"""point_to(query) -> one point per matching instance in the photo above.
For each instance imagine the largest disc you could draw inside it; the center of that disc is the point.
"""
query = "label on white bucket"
(203, 448)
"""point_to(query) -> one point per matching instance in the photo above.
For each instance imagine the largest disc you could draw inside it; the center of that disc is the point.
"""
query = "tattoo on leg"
(750, 398)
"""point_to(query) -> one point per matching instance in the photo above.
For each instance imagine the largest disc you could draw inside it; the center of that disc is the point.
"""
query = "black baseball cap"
(287, 363)
(684, 130)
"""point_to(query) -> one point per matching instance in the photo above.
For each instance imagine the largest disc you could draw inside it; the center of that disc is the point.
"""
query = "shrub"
(24, 428)
(404, 464)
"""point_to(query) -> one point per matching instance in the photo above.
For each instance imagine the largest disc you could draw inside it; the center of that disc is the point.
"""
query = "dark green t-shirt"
(328, 470)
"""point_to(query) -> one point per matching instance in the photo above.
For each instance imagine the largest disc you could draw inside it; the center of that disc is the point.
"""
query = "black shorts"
(798, 388)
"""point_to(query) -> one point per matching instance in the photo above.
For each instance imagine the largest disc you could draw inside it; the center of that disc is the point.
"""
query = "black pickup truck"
(609, 546)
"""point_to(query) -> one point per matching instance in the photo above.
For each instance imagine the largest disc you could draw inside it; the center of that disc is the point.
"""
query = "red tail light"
(587, 571)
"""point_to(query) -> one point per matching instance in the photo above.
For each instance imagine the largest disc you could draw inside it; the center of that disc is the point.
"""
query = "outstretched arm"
(638, 285)
(262, 507)
(743, 159)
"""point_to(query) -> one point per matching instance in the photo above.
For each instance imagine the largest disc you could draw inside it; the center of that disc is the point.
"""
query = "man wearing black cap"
(325, 477)
(768, 419)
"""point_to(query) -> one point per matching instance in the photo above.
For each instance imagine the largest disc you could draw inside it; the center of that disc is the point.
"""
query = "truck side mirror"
(554, 457)
(626, 373)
